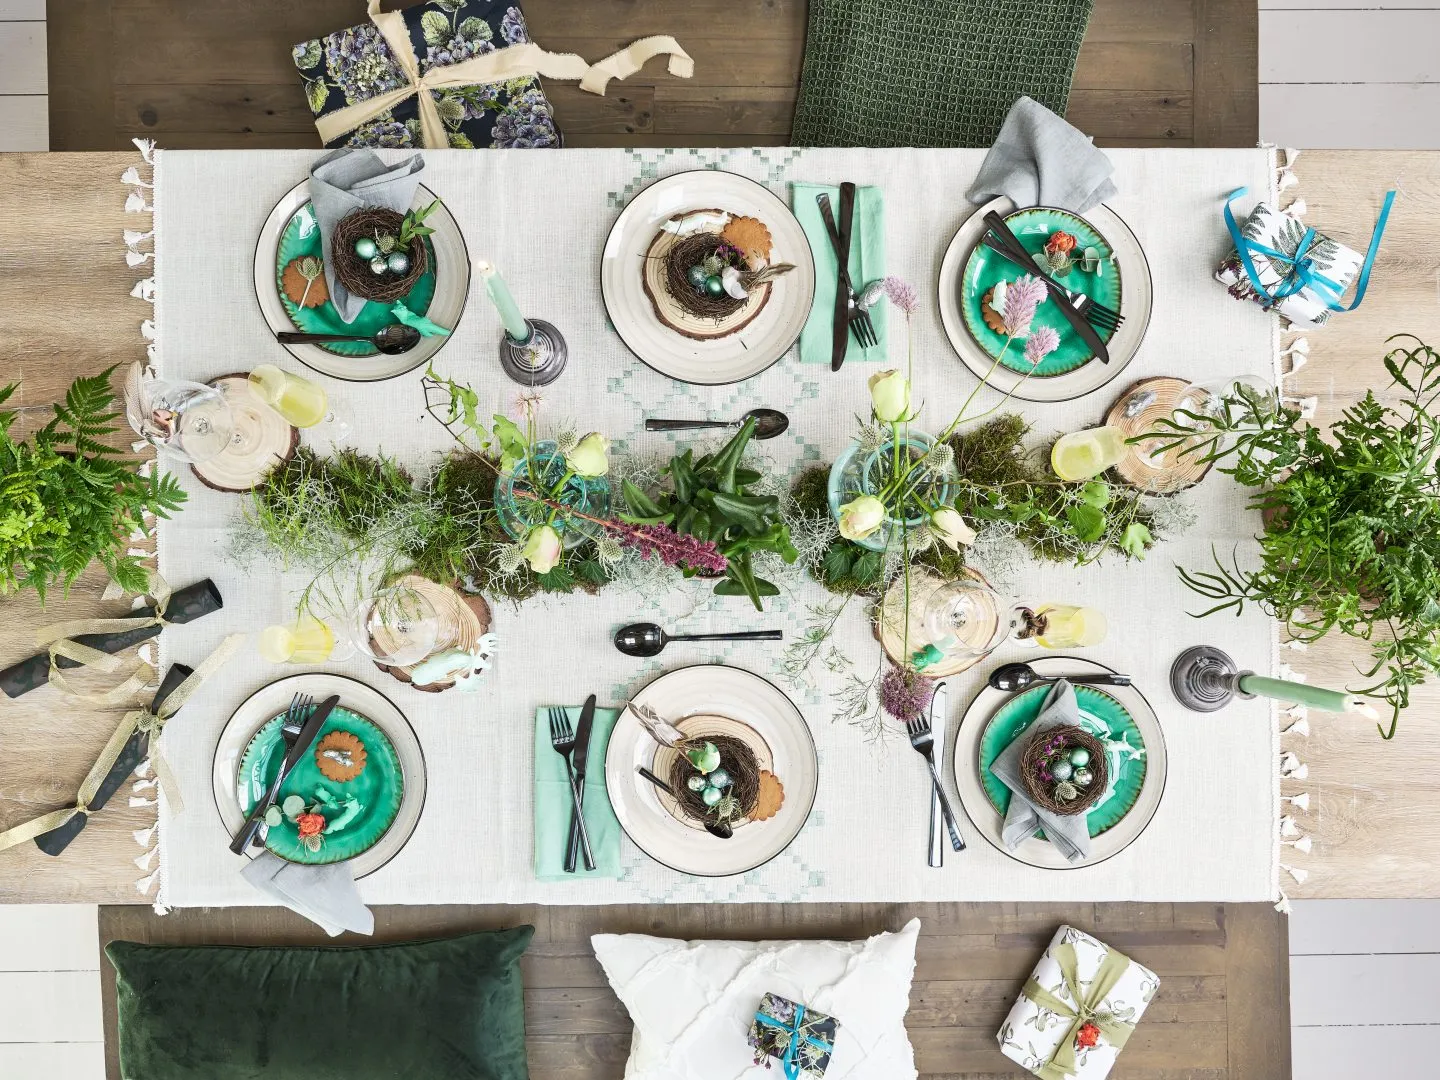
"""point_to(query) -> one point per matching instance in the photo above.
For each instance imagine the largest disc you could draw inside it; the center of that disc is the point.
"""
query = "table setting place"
(732, 472)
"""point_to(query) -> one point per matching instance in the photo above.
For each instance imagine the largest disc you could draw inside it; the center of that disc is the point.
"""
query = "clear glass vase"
(539, 472)
(858, 471)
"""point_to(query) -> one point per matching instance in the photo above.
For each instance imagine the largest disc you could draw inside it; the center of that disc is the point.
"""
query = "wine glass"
(189, 420)
(1236, 402)
(960, 620)
(397, 627)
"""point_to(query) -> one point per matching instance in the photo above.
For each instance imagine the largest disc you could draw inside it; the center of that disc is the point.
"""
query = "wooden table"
(1365, 793)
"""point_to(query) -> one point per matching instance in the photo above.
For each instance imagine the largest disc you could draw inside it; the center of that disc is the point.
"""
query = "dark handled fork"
(1095, 313)
(860, 324)
(562, 738)
(254, 828)
(923, 741)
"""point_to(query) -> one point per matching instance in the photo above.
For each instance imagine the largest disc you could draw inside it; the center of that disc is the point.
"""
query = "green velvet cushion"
(428, 1010)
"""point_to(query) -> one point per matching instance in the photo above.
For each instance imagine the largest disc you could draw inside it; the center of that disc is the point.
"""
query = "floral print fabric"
(814, 1036)
(357, 64)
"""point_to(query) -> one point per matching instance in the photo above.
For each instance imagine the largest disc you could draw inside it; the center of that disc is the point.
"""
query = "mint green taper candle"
(495, 288)
(1316, 697)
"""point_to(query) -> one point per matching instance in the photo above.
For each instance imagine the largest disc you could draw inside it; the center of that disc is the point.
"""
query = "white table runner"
(542, 218)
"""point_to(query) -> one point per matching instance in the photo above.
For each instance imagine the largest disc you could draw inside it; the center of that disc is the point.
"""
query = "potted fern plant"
(67, 498)
(1351, 539)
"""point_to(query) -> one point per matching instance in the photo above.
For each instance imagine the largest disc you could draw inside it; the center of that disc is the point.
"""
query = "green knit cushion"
(931, 72)
(429, 1010)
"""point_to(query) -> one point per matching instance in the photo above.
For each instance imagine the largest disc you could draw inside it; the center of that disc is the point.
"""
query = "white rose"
(588, 458)
(861, 517)
(950, 528)
(890, 395)
(542, 549)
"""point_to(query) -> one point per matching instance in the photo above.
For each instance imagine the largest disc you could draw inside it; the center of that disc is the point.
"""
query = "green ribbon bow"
(1062, 1062)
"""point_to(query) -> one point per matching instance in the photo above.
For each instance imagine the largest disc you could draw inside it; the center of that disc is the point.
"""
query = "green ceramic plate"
(379, 788)
(1103, 717)
(985, 267)
(301, 236)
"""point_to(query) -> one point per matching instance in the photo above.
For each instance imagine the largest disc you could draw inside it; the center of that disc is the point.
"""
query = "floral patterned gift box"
(800, 1038)
(1077, 1009)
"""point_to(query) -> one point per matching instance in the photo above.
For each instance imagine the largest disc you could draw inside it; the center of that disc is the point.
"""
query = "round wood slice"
(667, 310)
(263, 439)
(890, 636)
(464, 620)
(1173, 471)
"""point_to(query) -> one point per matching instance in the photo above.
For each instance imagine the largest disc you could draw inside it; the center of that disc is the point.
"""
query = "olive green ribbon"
(144, 720)
(57, 640)
(1062, 1062)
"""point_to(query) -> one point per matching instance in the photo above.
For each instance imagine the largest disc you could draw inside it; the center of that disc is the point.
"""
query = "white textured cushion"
(692, 1001)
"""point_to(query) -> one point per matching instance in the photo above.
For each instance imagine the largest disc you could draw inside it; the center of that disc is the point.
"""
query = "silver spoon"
(768, 423)
(648, 639)
(395, 338)
(714, 828)
(1010, 677)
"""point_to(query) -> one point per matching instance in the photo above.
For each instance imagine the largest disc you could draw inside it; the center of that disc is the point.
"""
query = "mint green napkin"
(419, 322)
(867, 264)
(552, 802)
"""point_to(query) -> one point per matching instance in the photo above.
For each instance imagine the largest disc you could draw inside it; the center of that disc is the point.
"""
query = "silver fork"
(290, 727)
(923, 741)
(562, 738)
(859, 318)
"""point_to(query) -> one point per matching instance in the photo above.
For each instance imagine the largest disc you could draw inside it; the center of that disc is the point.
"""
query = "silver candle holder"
(539, 359)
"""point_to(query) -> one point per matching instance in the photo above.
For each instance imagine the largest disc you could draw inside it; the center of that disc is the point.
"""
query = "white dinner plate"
(272, 700)
(734, 357)
(712, 690)
(452, 285)
(1036, 852)
(1138, 298)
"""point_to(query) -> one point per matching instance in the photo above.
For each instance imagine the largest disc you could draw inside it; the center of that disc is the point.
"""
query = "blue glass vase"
(540, 471)
(859, 472)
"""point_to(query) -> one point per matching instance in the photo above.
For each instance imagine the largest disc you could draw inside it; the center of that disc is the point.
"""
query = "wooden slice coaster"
(667, 309)
(464, 620)
(1138, 410)
(263, 439)
(890, 632)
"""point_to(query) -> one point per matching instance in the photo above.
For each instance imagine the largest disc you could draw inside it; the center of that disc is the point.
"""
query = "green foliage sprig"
(67, 498)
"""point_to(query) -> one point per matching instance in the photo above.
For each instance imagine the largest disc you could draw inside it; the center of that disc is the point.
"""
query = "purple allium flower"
(902, 294)
(1022, 297)
(905, 694)
(1040, 344)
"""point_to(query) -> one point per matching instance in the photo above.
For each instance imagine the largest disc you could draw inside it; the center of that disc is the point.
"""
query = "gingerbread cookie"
(303, 281)
(749, 236)
(772, 795)
(340, 756)
(990, 313)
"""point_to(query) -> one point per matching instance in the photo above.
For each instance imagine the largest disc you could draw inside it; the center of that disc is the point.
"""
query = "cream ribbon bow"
(57, 639)
(511, 62)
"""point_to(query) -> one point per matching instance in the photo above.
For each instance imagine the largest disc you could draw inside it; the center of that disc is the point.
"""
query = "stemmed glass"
(189, 420)
(1203, 416)
(397, 627)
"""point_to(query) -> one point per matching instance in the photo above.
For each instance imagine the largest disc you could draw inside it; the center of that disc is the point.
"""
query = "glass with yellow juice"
(300, 401)
(1084, 454)
(1064, 626)
(307, 640)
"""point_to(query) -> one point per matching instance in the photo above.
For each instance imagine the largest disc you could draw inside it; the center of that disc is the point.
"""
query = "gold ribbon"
(511, 62)
(57, 640)
(1062, 1062)
(152, 723)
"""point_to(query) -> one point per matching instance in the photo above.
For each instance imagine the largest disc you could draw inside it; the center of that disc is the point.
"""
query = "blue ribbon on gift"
(788, 1062)
(1302, 273)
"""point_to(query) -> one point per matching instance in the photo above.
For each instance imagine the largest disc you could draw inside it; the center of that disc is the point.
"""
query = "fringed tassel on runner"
(1301, 802)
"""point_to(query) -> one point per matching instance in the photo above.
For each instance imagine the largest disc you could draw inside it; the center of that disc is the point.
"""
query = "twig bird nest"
(355, 273)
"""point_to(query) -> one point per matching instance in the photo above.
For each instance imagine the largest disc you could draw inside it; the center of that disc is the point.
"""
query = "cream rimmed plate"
(272, 700)
(987, 820)
(707, 693)
(777, 319)
(452, 285)
(1136, 304)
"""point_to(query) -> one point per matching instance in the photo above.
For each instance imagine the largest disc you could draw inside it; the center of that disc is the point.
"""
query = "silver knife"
(579, 844)
(937, 812)
(296, 752)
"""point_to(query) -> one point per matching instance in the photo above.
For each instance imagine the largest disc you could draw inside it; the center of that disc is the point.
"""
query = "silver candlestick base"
(537, 361)
(1205, 679)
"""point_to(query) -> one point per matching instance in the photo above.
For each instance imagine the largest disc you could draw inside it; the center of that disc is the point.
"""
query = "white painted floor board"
(14, 10)
(1366, 1053)
(1381, 46)
(24, 122)
(49, 937)
(22, 58)
(50, 1006)
(1329, 927)
(1344, 5)
(1364, 116)
(52, 1061)
(1358, 989)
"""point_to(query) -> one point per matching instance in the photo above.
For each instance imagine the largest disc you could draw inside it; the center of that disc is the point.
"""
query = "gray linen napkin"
(326, 895)
(1070, 835)
(1040, 160)
(346, 180)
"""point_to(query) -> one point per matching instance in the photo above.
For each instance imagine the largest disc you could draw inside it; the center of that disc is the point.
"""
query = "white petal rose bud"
(861, 517)
(542, 549)
(950, 528)
(589, 459)
(890, 395)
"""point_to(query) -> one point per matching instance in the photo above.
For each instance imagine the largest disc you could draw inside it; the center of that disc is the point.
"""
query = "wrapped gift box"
(793, 1034)
(357, 64)
(1077, 1009)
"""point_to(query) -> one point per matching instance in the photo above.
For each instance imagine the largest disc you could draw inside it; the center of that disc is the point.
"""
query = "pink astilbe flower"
(1040, 344)
(902, 294)
(670, 547)
(1022, 297)
(905, 694)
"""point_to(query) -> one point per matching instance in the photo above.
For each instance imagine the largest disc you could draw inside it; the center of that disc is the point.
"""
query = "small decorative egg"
(378, 265)
(696, 276)
(1083, 777)
(711, 795)
(1061, 770)
(719, 778)
(1079, 756)
(398, 262)
(366, 248)
(714, 286)
(697, 783)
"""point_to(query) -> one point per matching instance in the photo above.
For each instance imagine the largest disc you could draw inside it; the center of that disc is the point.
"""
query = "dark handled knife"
(578, 757)
(1026, 261)
(840, 340)
(302, 743)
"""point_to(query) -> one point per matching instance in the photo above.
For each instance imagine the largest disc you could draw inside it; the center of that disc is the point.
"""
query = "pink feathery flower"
(670, 547)
(1022, 297)
(1040, 344)
(905, 694)
(902, 294)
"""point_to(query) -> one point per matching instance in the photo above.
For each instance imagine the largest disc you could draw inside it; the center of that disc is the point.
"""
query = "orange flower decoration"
(1087, 1036)
(1060, 243)
(310, 824)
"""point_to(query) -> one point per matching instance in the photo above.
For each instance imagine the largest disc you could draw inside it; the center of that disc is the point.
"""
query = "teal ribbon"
(1302, 273)
(788, 1062)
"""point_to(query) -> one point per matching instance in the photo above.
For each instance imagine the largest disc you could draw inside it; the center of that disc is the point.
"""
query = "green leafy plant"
(710, 498)
(412, 227)
(1352, 521)
(67, 498)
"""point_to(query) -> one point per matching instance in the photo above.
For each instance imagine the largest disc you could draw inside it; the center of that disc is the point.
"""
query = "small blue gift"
(800, 1038)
